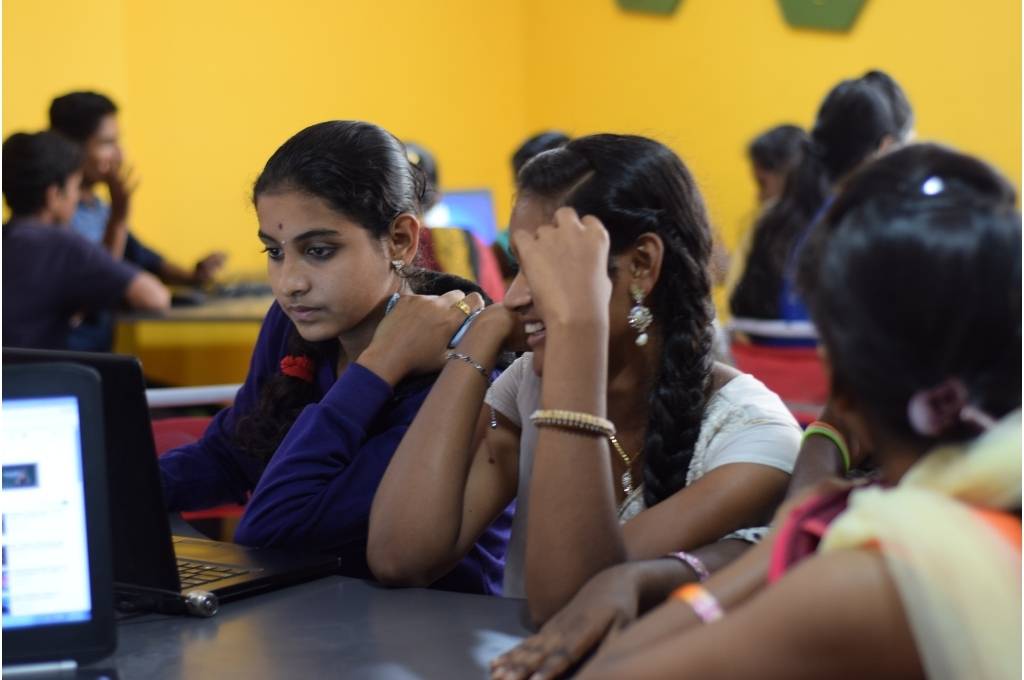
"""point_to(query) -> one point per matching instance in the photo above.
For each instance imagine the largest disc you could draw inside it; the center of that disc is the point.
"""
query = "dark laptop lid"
(143, 553)
(57, 575)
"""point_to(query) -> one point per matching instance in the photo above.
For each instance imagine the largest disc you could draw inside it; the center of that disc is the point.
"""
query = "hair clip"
(935, 410)
(297, 366)
(932, 186)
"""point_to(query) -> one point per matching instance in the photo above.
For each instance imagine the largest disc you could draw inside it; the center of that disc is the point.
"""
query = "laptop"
(146, 555)
(57, 576)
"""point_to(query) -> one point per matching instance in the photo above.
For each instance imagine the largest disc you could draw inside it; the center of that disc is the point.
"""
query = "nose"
(292, 278)
(518, 296)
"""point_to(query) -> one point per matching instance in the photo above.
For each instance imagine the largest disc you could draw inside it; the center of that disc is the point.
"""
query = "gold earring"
(640, 316)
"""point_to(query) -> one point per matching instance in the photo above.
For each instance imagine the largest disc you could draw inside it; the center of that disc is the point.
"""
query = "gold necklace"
(627, 476)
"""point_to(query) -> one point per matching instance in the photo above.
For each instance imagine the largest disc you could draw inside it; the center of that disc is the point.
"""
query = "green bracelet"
(832, 434)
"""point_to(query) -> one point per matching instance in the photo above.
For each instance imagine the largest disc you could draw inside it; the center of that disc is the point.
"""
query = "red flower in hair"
(298, 367)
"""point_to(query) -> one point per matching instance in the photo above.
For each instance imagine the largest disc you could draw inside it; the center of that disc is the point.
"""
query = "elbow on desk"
(147, 293)
(392, 566)
(253, 532)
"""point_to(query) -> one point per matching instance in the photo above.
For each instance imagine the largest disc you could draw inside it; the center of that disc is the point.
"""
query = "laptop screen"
(44, 539)
(471, 209)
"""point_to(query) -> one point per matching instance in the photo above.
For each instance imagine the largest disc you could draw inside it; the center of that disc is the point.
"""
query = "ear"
(643, 261)
(54, 196)
(403, 238)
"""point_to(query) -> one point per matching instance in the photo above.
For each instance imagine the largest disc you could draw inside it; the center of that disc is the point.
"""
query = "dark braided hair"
(361, 171)
(636, 185)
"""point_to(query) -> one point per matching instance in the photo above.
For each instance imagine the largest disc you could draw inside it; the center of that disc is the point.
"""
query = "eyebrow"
(304, 236)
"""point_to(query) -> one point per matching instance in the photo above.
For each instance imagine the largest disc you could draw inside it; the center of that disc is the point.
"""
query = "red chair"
(796, 374)
(170, 433)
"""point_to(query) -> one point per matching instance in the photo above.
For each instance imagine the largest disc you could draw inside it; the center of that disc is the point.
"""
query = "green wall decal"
(650, 6)
(832, 15)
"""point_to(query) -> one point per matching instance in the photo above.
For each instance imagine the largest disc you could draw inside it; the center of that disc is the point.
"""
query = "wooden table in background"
(206, 344)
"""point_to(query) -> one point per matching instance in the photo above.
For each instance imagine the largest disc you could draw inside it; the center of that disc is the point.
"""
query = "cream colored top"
(744, 422)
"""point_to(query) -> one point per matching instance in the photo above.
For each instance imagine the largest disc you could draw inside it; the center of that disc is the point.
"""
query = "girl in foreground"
(617, 435)
(333, 384)
(916, 280)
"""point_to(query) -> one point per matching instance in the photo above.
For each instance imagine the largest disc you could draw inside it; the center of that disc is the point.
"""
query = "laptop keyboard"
(192, 573)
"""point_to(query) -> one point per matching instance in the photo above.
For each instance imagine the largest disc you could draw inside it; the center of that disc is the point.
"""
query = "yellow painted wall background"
(717, 72)
(209, 89)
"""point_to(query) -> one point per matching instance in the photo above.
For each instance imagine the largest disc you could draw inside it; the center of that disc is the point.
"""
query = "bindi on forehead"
(280, 226)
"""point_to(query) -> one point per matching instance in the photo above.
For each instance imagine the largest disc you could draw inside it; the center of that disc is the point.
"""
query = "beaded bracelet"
(704, 604)
(693, 562)
(573, 420)
(469, 360)
(819, 427)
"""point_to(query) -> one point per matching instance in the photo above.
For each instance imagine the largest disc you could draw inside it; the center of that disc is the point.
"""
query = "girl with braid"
(913, 277)
(617, 434)
(335, 379)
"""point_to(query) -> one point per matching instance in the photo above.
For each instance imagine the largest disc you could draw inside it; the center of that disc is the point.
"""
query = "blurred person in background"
(90, 120)
(50, 274)
(451, 248)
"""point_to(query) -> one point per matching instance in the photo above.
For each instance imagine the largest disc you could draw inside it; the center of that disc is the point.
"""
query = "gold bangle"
(573, 420)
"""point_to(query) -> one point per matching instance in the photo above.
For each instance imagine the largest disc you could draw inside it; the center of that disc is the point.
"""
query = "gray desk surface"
(335, 627)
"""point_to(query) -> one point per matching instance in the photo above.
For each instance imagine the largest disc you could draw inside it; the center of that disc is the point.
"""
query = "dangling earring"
(398, 266)
(640, 316)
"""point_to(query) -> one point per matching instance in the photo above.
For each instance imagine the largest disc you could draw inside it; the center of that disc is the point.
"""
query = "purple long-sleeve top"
(316, 491)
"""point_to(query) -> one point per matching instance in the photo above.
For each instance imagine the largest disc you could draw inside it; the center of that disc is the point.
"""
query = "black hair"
(31, 164)
(854, 119)
(77, 115)
(421, 157)
(777, 149)
(914, 277)
(536, 144)
(902, 112)
(635, 186)
(361, 171)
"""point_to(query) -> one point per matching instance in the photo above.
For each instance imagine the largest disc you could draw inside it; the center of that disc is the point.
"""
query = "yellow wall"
(209, 89)
(716, 73)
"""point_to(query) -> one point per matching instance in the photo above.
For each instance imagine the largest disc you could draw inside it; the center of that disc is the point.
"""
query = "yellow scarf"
(958, 577)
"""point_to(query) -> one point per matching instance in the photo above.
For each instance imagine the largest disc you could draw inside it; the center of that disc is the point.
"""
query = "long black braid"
(635, 185)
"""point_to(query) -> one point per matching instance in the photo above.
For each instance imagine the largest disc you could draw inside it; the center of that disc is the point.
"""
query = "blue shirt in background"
(96, 332)
(50, 275)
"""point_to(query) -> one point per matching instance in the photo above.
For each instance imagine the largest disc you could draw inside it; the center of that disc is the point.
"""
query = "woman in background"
(859, 119)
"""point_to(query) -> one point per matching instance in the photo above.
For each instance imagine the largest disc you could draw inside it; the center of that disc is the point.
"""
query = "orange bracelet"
(704, 604)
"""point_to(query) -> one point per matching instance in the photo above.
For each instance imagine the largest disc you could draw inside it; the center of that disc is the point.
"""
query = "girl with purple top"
(333, 384)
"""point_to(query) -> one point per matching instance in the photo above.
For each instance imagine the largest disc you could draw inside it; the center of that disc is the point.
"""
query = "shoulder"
(57, 241)
(516, 382)
(520, 371)
(745, 422)
(750, 399)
